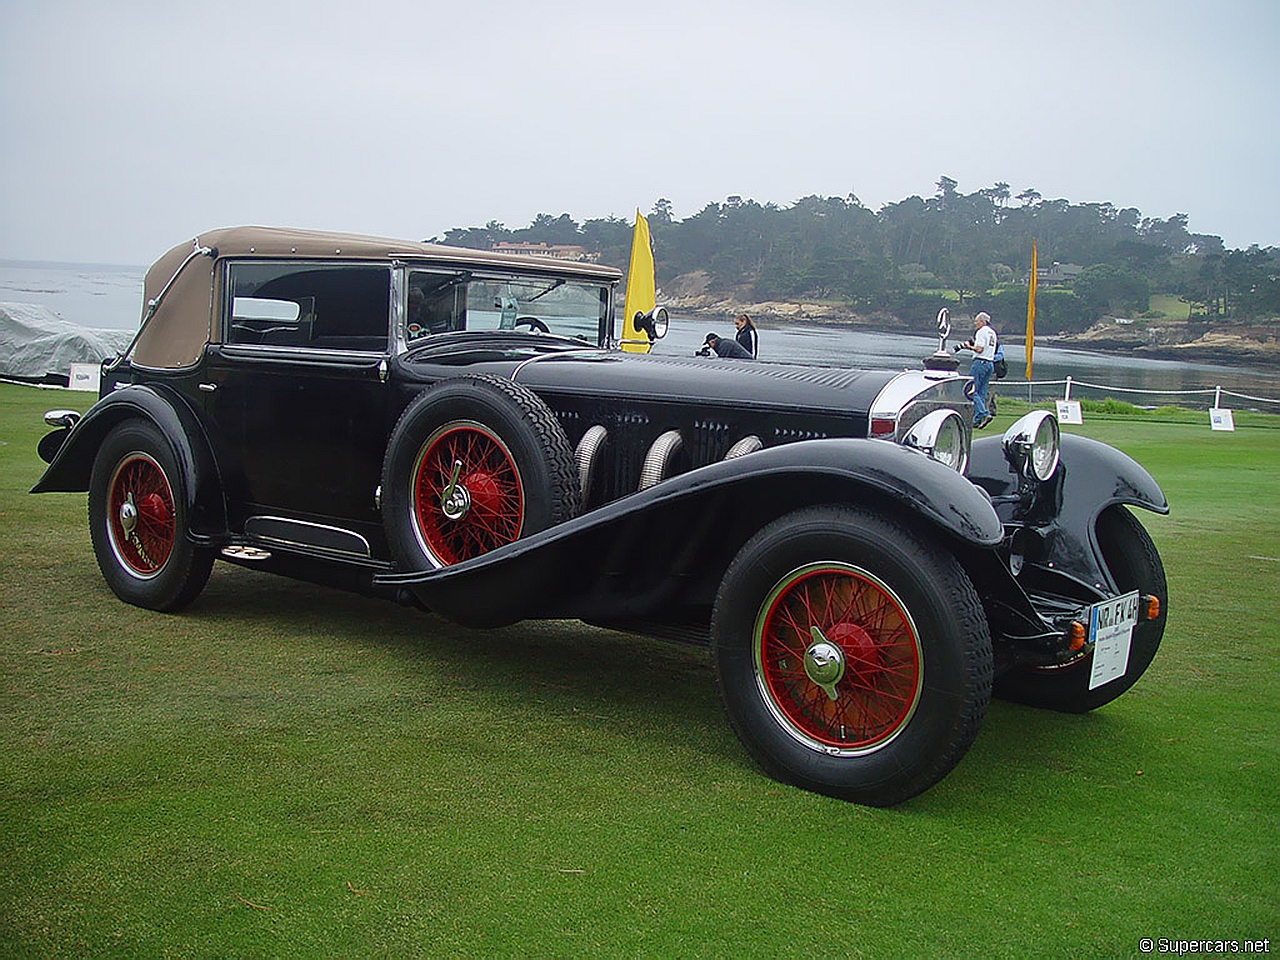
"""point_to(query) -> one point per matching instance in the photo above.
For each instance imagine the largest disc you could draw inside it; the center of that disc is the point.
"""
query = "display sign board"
(85, 376)
(1069, 411)
(1220, 419)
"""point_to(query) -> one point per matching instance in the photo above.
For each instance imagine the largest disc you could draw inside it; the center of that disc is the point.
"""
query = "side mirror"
(654, 323)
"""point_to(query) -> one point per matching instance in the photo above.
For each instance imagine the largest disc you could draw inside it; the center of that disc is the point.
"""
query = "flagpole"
(1031, 311)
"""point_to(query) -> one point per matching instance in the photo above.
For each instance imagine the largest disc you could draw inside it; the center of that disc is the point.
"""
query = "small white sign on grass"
(1069, 411)
(85, 376)
(1220, 419)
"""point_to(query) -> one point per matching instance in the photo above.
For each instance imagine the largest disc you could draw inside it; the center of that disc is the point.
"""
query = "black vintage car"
(463, 431)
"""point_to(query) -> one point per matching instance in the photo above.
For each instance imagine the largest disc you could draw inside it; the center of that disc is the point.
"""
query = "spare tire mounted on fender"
(474, 463)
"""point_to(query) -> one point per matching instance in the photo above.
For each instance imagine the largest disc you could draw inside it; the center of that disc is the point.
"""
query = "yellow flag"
(642, 292)
(1031, 310)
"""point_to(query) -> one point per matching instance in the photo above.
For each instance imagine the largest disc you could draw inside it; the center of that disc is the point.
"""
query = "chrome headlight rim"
(1034, 445)
(942, 436)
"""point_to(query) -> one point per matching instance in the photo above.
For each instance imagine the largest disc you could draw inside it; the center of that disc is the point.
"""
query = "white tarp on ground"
(39, 346)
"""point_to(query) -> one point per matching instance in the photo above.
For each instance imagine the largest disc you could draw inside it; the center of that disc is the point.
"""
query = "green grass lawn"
(289, 771)
(1175, 308)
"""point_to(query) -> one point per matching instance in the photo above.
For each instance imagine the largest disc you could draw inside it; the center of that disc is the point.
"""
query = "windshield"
(441, 302)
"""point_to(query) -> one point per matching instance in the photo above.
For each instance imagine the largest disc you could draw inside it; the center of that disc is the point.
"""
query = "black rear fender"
(663, 551)
(71, 466)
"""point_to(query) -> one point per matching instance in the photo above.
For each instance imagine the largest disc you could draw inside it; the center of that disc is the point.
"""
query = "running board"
(300, 533)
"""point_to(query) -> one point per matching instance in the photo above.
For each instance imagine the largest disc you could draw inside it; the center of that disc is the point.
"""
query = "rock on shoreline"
(1256, 345)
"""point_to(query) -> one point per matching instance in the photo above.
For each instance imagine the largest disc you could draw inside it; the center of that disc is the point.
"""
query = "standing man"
(983, 346)
(747, 334)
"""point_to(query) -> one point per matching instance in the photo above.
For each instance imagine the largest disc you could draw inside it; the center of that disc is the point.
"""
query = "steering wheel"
(533, 323)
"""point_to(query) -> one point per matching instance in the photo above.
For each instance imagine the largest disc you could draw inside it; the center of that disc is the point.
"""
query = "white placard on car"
(1220, 419)
(1111, 631)
(1069, 411)
(85, 376)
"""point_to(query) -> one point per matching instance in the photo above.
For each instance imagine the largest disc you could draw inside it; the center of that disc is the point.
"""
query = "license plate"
(1111, 626)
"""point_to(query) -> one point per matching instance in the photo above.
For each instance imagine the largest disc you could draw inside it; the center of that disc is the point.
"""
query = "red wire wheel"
(838, 659)
(468, 496)
(141, 519)
(821, 663)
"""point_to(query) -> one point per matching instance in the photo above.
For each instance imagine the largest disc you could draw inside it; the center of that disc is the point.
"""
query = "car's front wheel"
(852, 654)
(138, 521)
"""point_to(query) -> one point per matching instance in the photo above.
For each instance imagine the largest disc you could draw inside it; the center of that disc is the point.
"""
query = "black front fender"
(1063, 513)
(664, 550)
(72, 465)
(1092, 473)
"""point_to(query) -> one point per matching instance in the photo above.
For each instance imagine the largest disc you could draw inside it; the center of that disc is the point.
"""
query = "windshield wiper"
(539, 296)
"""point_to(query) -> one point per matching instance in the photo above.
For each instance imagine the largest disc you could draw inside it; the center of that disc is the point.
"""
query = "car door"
(297, 402)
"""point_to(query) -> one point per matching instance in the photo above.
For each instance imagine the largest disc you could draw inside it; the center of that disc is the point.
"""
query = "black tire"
(1135, 564)
(895, 616)
(138, 521)
(518, 474)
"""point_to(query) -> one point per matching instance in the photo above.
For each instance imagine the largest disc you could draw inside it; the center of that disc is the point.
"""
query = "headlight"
(1031, 445)
(941, 435)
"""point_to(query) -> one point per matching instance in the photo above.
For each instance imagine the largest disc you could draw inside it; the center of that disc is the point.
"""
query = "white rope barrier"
(1216, 392)
(1245, 396)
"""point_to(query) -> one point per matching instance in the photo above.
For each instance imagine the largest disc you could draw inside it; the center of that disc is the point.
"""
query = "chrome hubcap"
(824, 662)
(129, 516)
(455, 501)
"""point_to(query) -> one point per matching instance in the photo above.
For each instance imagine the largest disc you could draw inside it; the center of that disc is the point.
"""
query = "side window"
(437, 303)
(320, 306)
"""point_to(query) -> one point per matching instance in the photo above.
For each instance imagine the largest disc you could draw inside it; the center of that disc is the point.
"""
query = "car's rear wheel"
(474, 463)
(1135, 564)
(852, 654)
(138, 521)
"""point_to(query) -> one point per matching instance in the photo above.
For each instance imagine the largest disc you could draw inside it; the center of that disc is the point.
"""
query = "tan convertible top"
(176, 335)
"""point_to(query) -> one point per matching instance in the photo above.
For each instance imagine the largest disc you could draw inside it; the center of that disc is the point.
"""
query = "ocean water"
(91, 295)
(1140, 381)
(110, 297)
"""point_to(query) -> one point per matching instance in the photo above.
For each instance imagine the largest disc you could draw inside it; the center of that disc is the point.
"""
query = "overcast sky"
(127, 127)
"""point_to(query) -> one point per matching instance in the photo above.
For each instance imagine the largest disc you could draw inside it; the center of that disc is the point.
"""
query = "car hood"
(742, 383)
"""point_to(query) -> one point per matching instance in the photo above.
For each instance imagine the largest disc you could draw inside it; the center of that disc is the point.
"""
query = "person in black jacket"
(729, 349)
(747, 334)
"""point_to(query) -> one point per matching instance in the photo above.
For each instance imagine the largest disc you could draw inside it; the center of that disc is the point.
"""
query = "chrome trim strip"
(515, 374)
(362, 550)
(257, 350)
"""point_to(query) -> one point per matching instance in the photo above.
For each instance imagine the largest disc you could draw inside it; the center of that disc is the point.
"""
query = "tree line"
(909, 257)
